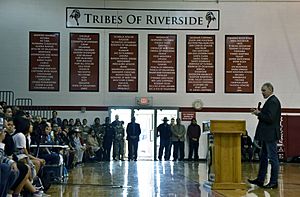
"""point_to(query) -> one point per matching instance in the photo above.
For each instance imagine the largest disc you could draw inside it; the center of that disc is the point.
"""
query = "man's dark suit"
(133, 132)
(268, 132)
(268, 128)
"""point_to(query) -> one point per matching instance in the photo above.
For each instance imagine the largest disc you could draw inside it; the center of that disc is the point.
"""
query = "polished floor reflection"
(164, 178)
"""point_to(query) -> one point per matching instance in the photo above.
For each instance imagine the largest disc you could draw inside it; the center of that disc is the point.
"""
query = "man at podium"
(268, 132)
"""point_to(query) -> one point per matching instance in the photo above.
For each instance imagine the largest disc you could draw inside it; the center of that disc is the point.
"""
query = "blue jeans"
(269, 151)
(7, 178)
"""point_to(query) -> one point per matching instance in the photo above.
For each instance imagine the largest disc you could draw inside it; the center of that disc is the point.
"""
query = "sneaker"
(37, 194)
(39, 188)
(37, 183)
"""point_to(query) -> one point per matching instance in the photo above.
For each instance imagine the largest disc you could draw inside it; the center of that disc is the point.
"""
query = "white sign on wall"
(107, 18)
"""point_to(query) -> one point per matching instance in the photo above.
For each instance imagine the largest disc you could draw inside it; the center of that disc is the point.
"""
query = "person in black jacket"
(133, 131)
(268, 133)
(164, 132)
(8, 140)
(109, 135)
(193, 134)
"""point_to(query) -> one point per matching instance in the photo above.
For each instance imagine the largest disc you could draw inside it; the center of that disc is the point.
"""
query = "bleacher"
(25, 104)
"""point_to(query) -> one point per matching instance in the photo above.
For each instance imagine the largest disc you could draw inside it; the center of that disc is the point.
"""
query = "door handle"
(151, 136)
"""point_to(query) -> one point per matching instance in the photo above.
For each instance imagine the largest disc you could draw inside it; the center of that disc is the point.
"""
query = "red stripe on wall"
(181, 109)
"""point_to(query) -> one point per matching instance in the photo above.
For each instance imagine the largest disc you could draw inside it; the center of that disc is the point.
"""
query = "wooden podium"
(226, 154)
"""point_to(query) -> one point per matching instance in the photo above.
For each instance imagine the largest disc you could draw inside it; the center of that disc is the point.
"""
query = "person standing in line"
(268, 133)
(116, 121)
(178, 133)
(109, 135)
(193, 134)
(133, 131)
(172, 122)
(164, 132)
(119, 141)
(114, 124)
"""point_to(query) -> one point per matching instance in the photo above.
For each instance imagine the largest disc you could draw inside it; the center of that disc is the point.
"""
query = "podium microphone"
(258, 106)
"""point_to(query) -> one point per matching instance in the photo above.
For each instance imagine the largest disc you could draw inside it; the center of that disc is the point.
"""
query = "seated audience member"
(29, 116)
(55, 119)
(7, 177)
(35, 135)
(47, 153)
(19, 113)
(71, 124)
(14, 176)
(8, 112)
(85, 130)
(8, 168)
(1, 111)
(3, 103)
(67, 136)
(8, 141)
(97, 126)
(15, 109)
(2, 106)
(77, 145)
(65, 124)
(22, 141)
(256, 149)
(100, 136)
(63, 138)
(93, 145)
(246, 143)
(57, 135)
(78, 123)
(64, 135)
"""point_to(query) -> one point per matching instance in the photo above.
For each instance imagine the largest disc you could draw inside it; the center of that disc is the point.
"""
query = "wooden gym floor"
(165, 178)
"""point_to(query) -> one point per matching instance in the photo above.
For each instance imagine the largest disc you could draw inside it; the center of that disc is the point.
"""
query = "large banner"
(200, 63)
(84, 62)
(239, 64)
(162, 63)
(109, 18)
(123, 62)
(43, 61)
